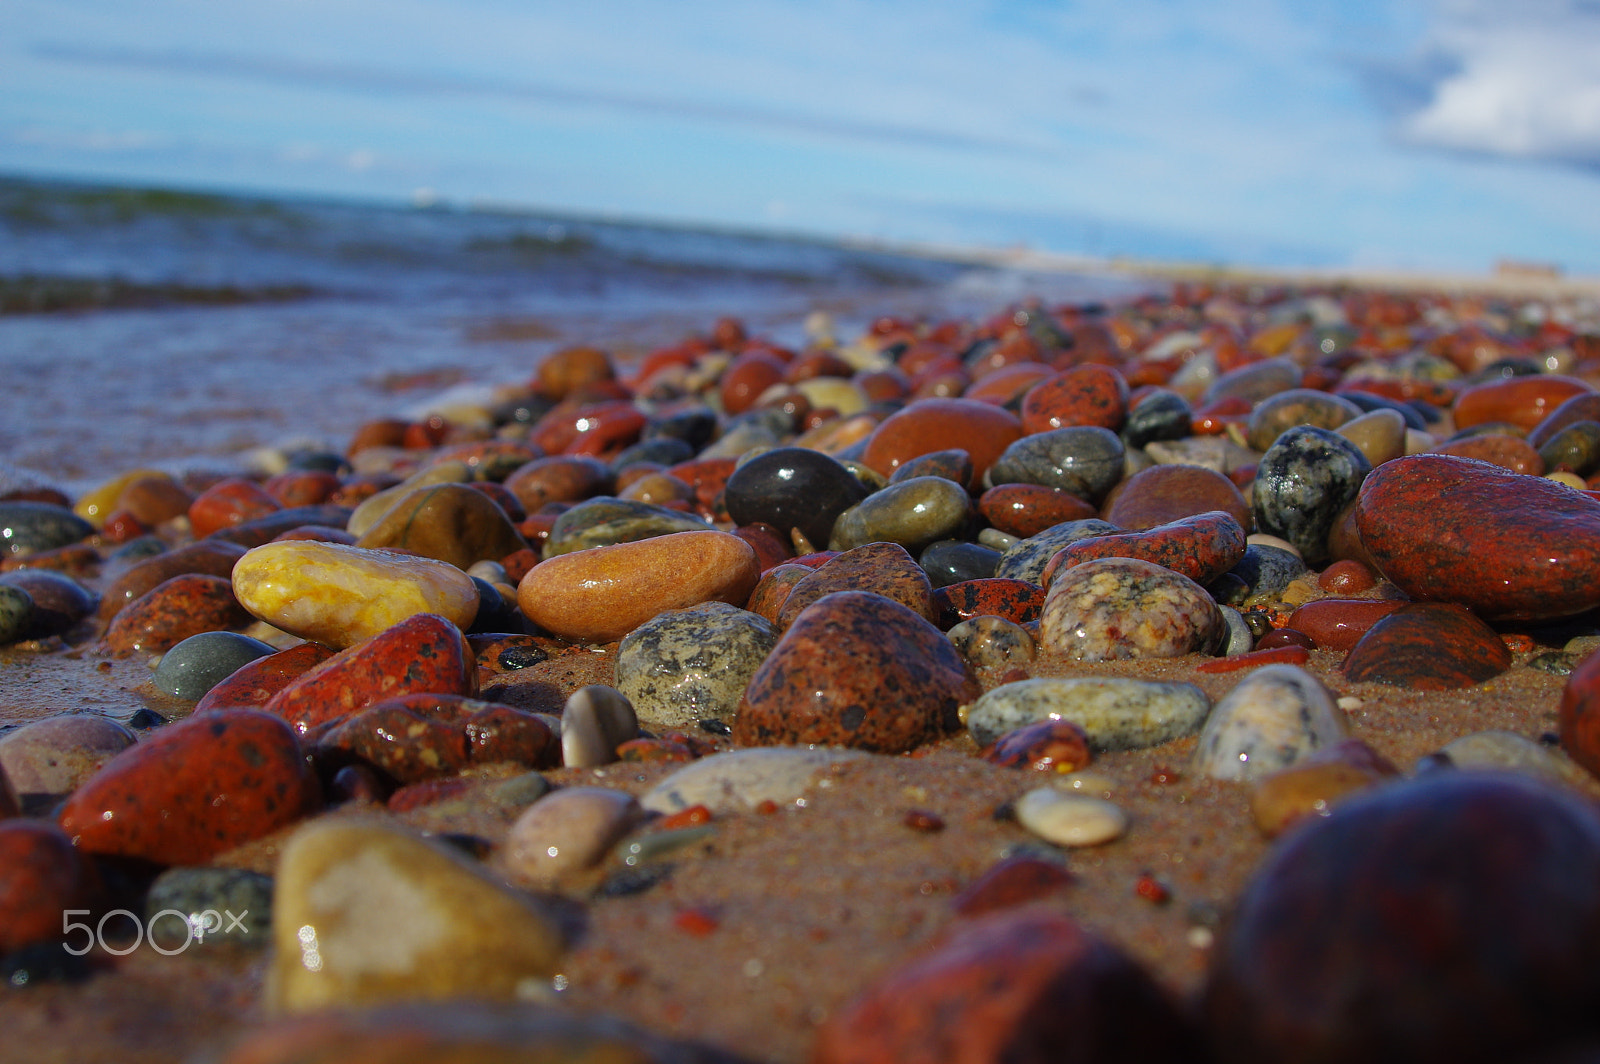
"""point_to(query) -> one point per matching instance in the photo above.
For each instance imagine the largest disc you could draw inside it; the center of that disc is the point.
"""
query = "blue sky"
(1368, 133)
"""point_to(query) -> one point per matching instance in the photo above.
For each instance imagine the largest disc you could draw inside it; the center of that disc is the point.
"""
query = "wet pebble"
(740, 780)
(200, 662)
(1116, 608)
(951, 561)
(688, 665)
(1428, 646)
(1046, 746)
(1278, 413)
(595, 721)
(30, 527)
(208, 558)
(1314, 786)
(1265, 572)
(1026, 559)
(450, 522)
(1165, 493)
(912, 513)
(605, 521)
(1304, 481)
(988, 642)
(954, 464)
(938, 424)
(173, 611)
(231, 906)
(1067, 819)
(1013, 600)
(1202, 547)
(1508, 751)
(423, 736)
(1024, 510)
(1276, 716)
(793, 487)
(42, 875)
(58, 601)
(1085, 461)
(882, 568)
(16, 614)
(1115, 713)
(55, 755)
(566, 832)
(254, 683)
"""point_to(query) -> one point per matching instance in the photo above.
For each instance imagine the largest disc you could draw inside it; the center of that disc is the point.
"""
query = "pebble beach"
(1189, 669)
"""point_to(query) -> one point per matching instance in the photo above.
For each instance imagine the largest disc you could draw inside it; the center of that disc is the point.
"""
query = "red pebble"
(1152, 889)
(302, 487)
(1520, 401)
(1083, 395)
(194, 789)
(226, 503)
(1290, 655)
(923, 820)
(255, 682)
(1579, 714)
(696, 921)
(1044, 746)
(1014, 881)
(1348, 577)
(41, 877)
(1025, 510)
(1339, 624)
(173, 611)
(693, 816)
(982, 430)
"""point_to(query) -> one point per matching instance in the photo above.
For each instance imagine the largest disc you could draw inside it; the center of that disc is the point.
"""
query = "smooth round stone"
(228, 503)
(1276, 716)
(1115, 713)
(1412, 924)
(927, 425)
(1014, 600)
(882, 568)
(55, 755)
(261, 530)
(200, 662)
(1083, 395)
(1166, 493)
(825, 682)
(1024, 510)
(1314, 786)
(16, 614)
(209, 558)
(1297, 406)
(912, 513)
(1339, 624)
(31, 527)
(607, 521)
(1086, 461)
(565, 371)
(559, 478)
(774, 589)
(740, 780)
(833, 393)
(1576, 449)
(1067, 819)
(339, 595)
(1521, 401)
(663, 450)
(1303, 483)
(1116, 608)
(689, 665)
(567, 831)
(1579, 714)
(366, 913)
(792, 487)
(1507, 452)
(1160, 415)
(951, 561)
(954, 464)
(419, 737)
(154, 500)
(1378, 434)
(450, 522)
(257, 682)
(230, 906)
(1202, 547)
(603, 594)
(58, 601)
(1510, 752)
(1255, 381)
(992, 642)
(100, 502)
(1266, 572)
(372, 509)
(1508, 547)
(172, 611)
(595, 721)
(1241, 639)
(1026, 560)
(1370, 402)
(1428, 646)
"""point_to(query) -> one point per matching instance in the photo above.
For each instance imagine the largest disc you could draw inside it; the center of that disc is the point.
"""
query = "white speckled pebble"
(1115, 712)
(567, 831)
(1068, 819)
(1276, 716)
(739, 780)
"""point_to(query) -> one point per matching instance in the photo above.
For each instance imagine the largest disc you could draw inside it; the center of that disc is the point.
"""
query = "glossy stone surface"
(1411, 924)
(1116, 608)
(1044, 746)
(337, 595)
(450, 522)
(1027, 559)
(684, 666)
(1160, 415)
(199, 663)
(31, 527)
(1339, 624)
(1083, 395)
(1579, 714)
(1025, 510)
(1428, 646)
(1165, 493)
(227, 503)
(1298, 406)
(603, 594)
(1303, 483)
(1085, 461)
(954, 561)
(567, 832)
(989, 642)
(16, 614)
(979, 428)
(953, 464)
(912, 513)
(1265, 572)
(419, 737)
(194, 789)
(559, 478)
(1520, 401)
(173, 611)
(1014, 600)
(859, 670)
(1202, 547)
(1115, 713)
(1276, 716)
(1507, 547)
(211, 558)
(594, 722)
(255, 683)
(266, 529)
(1065, 818)
(57, 602)
(41, 876)
(882, 568)
(201, 896)
(606, 521)
(793, 487)
(1312, 787)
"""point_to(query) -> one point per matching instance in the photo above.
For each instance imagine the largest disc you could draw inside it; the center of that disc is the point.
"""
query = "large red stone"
(173, 611)
(194, 789)
(1428, 646)
(41, 876)
(1507, 546)
(1339, 624)
(1507, 452)
(1202, 547)
(884, 568)
(1520, 401)
(425, 654)
(254, 683)
(1019, 987)
(981, 429)
(228, 502)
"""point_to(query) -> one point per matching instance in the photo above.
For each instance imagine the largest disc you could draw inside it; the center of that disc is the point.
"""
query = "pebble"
(1024, 510)
(882, 568)
(1278, 413)
(1409, 925)
(1013, 881)
(1241, 638)
(1026, 560)
(1379, 435)
(213, 905)
(1576, 449)
(1023, 984)
(58, 602)
(16, 614)
(1085, 461)
(173, 611)
(211, 557)
(912, 513)
(1520, 401)
(603, 594)
(827, 680)
(228, 503)
(1083, 395)
(1579, 714)
(1428, 646)
(1506, 546)
(338, 595)
(425, 654)
(1303, 483)
(1114, 712)
(194, 789)
(1046, 746)
(606, 521)
(423, 736)
(954, 464)
(366, 913)
(1066, 819)
(1161, 415)
(41, 876)
(740, 780)
(450, 522)
(568, 831)
(1339, 624)
(595, 721)
(1266, 573)
(988, 642)
(1276, 716)
(954, 561)
(981, 429)
(684, 666)
(372, 509)
(254, 683)
(55, 755)
(1013, 600)
(1202, 547)
(559, 478)
(31, 527)
(200, 662)
(268, 528)
(1314, 786)
(1216, 453)
(1503, 750)
(1166, 493)
(1116, 608)
(792, 487)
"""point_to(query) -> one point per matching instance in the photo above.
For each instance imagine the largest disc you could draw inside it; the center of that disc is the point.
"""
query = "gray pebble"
(596, 720)
(217, 905)
(570, 830)
(1512, 752)
(1241, 640)
(54, 755)
(200, 662)
(1115, 713)
(16, 614)
(30, 527)
(912, 513)
(1276, 716)
(1068, 819)
(1118, 608)
(684, 666)
(1085, 460)
(1026, 559)
(990, 642)
(1266, 572)
(1303, 483)
(603, 521)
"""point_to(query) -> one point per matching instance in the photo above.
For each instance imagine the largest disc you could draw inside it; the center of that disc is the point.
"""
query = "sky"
(1369, 134)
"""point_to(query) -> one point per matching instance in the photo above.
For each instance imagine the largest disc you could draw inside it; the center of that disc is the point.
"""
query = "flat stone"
(559, 478)
(1114, 712)
(1339, 624)
(338, 595)
(1276, 716)
(1278, 413)
(199, 663)
(603, 594)
(367, 913)
(1117, 608)
(1428, 646)
(595, 721)
(953, 464)
(740, 780)
(1068, 819)
(1083, 395)
(268, 528)
(568, 831)
(684, 666)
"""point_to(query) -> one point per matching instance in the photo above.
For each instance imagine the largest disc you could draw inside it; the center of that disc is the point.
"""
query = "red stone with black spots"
(1083, 395)
(884, 568)
(173, 611)
(1025, 986)
(773, 590)
(194, 789)
(41, 876)
(254, 683)
(425, 654)
(1202, 547)
(860, 670)
(1506, 546)
(994, 596)
(1428, 646)
(1024, 510)
(421, 737)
